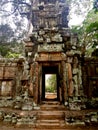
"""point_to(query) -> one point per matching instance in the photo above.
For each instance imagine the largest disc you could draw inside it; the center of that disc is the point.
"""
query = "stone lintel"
(55, 56)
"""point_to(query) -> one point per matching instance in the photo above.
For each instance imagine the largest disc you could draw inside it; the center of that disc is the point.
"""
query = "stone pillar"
(34, 83)
(67, 80)
(77, 80)
(18, 79)
(40, 83)
(65, 85)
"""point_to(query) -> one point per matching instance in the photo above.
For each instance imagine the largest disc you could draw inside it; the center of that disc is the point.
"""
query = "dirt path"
(2, 127)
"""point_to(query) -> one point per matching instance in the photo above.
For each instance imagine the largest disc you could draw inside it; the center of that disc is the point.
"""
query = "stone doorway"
(46, 94)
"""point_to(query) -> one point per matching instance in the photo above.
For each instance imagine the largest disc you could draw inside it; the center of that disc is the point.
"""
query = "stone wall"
(90, 77)
(8, 72)
(90, 81)
(50, 13)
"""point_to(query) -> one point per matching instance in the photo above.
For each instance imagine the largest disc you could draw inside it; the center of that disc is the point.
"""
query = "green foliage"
(92, 27)
(4, 50)
(11, 50)
(12, 55)
(92, 31)
(88, 32)
(77, 30)
(51, 83)
(50, 89)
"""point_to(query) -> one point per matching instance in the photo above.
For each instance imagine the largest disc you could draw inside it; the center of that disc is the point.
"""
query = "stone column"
(18, 79)
(34, 83)
(64, 85)
(77, 80)
(40, 83)
(67, 80)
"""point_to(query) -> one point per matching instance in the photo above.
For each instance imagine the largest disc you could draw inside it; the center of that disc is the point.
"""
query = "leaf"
(92, 27)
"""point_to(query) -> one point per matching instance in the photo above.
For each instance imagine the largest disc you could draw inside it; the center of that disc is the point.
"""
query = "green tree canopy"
(88, 32)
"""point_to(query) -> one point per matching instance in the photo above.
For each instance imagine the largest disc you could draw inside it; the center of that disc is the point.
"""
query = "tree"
(19, 11)
(6, 33)
(8, 42)
(79, 8)
(51, 83)
(95, 5)
(91, 30)
(22, 7)
(88, 32)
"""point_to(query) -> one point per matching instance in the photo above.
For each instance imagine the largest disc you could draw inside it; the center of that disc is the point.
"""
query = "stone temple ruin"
(51, 49)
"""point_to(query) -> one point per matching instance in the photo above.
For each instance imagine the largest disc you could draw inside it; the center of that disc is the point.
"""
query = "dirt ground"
(5, 127)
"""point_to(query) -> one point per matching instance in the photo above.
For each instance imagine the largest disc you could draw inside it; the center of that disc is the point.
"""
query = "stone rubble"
(89, 118)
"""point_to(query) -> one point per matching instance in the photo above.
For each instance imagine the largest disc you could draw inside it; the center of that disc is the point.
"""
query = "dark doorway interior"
(54, 93)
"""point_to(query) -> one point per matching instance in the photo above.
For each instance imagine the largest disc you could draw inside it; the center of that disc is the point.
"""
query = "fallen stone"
(78, 122)
(94, 118)
(74, 106)
(27, 106)
(36, 107)
(17, 105)
(1, 115)
(14, 120)
(7, 118)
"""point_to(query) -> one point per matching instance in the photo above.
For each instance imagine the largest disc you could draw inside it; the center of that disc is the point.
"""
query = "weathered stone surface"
(28, 106)
(6, 103)
(50, 48)
(26, 120)
(74, 106)
(8, 68)
(1, 72)
(1, 115)
(17, 105)
(7, 72)
(7, 118)
(94, 118)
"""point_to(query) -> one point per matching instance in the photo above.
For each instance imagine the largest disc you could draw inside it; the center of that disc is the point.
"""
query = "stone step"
(52, 107)
(50, 121)
(51, 115)
(51, 102)
(51, 125)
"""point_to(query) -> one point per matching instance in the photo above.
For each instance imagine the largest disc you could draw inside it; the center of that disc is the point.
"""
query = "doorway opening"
(50, 86)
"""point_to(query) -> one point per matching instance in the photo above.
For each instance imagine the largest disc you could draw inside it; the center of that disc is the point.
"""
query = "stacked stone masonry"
(50, 49)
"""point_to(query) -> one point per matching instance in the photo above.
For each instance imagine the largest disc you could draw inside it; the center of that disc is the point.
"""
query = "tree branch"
(17, 4)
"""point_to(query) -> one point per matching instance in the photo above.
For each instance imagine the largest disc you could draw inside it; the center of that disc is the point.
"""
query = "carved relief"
(50, 48)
